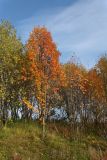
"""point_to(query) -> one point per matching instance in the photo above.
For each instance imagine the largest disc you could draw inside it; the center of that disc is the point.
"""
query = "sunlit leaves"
(10, 57)
(44, 67)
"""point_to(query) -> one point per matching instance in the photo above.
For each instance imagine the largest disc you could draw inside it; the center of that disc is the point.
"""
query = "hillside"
(23, 141)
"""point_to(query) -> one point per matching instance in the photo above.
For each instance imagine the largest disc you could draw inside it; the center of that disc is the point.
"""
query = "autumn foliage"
(36, 84)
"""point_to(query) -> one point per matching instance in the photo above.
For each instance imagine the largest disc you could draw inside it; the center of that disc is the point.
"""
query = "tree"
(101, 68)
(43, 58)
(10, 56)
(73, 90)
(102, 71)
(96, 95)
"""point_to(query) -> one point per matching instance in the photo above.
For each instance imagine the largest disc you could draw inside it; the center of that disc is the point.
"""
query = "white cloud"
(81, 27)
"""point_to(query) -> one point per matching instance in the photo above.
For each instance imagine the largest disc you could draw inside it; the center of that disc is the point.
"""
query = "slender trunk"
(43, 121)
(44, 114)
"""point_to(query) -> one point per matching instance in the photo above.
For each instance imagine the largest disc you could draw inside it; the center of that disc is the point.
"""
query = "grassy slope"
(22, 141)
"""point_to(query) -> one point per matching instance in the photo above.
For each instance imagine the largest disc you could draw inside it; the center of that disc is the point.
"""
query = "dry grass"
(22, 141)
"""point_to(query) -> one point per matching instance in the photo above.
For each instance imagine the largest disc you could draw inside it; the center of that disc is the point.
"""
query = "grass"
(23, 141)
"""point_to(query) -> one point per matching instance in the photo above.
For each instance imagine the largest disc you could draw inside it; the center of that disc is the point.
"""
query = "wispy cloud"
(80, 28)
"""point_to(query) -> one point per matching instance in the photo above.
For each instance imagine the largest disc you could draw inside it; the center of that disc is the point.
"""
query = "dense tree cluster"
(35, 85)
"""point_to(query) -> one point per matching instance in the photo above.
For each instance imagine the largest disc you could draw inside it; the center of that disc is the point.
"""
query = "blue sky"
(78, 26)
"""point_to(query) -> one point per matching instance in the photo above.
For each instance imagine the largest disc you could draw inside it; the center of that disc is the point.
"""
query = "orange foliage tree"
(74, 86)
(44, 67)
